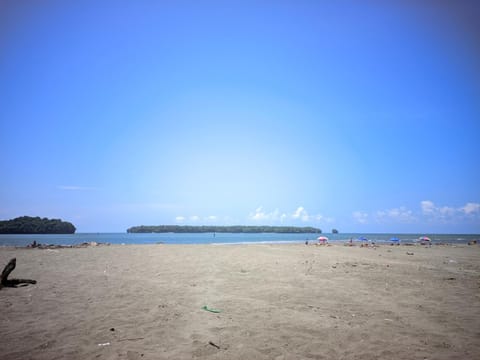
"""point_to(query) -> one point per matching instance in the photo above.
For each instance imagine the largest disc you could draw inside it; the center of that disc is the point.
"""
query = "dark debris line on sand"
(35, 245)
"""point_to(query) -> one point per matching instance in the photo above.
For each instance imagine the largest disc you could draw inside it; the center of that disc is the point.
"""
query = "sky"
(363, 116)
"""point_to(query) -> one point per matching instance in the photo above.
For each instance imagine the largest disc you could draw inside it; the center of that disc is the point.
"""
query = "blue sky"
(360, 116)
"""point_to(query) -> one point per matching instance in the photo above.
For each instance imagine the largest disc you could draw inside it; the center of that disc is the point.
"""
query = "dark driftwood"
(12, 282)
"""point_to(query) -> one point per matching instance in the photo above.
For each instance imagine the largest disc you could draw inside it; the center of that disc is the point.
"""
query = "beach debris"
(409, 253)
(35, 245)
(132, 355)
(450, 278)
(206, 308)
(47, 344)
(214, 345)
(112, 329)
(104, 344)
(4, 282)
(131, 339)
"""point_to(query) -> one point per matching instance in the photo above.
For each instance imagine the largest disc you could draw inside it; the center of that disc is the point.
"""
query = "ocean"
(221, 238)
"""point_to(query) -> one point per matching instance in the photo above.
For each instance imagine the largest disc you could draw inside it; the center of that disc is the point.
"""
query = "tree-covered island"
(36, 225)
(222, 229)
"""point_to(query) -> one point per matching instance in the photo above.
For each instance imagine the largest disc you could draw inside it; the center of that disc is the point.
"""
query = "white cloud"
(428, 207)
(447, 214)
(258, 215)
(323, 219)
(301, 214)
(429, 211)
(360, 217)
(196, 218)
(471, 208)
(261, 215)
(401, 214)
(446, 211)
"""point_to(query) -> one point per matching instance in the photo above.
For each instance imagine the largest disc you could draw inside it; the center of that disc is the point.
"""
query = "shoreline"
(311, 243)
(180, 238)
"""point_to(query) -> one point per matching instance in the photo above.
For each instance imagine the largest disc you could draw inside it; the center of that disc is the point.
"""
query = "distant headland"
(36, 225)
(222, 229)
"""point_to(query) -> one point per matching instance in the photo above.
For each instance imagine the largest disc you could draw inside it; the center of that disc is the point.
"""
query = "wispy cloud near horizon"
(261, 215)
(76, 188)
(360, 217)
(401, 214)
(300, 214)
(196, 218)
(428, 212)
(445, 214)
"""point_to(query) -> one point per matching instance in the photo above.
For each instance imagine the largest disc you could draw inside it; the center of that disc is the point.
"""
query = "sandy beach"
(275, 302)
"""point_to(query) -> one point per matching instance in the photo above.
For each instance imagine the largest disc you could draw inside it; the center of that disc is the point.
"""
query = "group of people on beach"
(324, 242)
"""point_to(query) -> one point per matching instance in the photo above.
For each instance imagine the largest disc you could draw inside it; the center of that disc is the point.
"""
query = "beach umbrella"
(362, 238)
(394, 239)
(424, 239)
(322, 239)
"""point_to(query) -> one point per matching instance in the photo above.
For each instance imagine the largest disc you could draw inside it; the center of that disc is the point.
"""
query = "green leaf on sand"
(206, 308)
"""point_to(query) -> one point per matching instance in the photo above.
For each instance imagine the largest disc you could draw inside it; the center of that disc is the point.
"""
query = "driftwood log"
(5, 282)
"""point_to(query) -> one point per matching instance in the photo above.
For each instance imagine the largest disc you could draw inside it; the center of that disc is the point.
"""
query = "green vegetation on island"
(222, 229)
(36, 225)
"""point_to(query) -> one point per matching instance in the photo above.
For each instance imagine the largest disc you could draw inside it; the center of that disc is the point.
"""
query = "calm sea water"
(219, 238)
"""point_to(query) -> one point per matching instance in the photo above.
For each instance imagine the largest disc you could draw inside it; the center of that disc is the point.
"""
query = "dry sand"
(276, 302)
